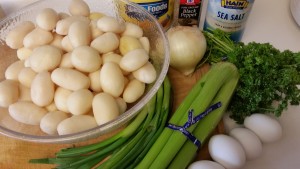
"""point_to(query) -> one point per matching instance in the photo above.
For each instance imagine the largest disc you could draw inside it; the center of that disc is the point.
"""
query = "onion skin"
(187, 48)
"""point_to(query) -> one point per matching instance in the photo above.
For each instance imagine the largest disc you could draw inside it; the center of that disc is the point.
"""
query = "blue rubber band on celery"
(192, 120)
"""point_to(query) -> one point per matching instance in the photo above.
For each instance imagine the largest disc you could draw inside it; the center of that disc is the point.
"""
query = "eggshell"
(266, 128)
(205, 164)
(226, 151)
(249, 140)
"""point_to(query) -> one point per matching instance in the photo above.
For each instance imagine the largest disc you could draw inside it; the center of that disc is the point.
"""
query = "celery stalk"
(163, 138)
(206, 125)
(166, 147)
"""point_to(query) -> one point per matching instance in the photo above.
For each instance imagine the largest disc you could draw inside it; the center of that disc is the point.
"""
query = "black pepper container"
(188, 12)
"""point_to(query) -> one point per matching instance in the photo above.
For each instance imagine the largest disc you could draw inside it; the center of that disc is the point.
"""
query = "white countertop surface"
(270, 21)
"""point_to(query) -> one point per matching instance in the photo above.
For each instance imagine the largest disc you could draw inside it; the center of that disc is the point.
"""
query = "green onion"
(121, 149)
(144, 139)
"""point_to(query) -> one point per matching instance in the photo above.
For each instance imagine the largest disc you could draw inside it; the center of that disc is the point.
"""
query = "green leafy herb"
(268, 76)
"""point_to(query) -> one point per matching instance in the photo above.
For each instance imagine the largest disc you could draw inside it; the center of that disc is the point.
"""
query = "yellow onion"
(187, 48)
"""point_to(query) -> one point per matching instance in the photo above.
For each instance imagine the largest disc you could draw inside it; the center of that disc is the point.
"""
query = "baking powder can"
(228, 15)
(163, 10)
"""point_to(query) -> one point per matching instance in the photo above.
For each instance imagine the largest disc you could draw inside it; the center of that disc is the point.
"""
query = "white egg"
(229, 123)
(205, 164)
(226, 151)
(265, 127)
(249, 140)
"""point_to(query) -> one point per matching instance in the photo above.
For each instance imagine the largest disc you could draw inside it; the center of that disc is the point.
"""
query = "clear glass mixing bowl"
(120, 9)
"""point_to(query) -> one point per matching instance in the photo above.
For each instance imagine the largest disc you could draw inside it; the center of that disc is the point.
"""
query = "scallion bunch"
(125, 149)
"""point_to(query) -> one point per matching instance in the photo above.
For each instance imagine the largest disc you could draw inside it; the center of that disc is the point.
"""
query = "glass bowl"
(120, 9)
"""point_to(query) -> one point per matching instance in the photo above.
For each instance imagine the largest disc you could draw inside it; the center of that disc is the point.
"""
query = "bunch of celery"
(125, 149)
(172, 149)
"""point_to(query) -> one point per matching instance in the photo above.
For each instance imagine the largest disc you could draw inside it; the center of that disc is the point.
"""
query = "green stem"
(92, 163)
(220, 73)
(166, 146)
(100, 153)
(164, 136)
(90, 155)
(164, 114)
(128, 131)
(59, 161)
(151, 142)
(155, 128)
(94, 150)
(122, 152)
(118, 155)
(207, 125)
(224, 43)
(88, 164)
(134, 152)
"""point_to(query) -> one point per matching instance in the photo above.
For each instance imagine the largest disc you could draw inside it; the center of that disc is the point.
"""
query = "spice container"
(228, 15)
(162, 9)
(188, 12)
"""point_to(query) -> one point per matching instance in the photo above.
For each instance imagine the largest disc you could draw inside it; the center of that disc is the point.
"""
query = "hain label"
(234, 4)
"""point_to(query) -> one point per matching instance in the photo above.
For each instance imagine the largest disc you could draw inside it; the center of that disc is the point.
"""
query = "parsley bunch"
(268, 76)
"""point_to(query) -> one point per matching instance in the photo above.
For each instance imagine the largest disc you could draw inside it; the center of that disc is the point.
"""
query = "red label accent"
(189, 2)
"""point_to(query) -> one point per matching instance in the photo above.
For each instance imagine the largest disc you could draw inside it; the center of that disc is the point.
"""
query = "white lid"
(295, 9)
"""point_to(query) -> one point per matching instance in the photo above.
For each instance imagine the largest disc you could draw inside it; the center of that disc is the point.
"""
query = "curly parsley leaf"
(268, 77)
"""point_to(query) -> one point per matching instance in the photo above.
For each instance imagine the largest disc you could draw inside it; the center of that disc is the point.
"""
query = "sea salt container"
(228, 15)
